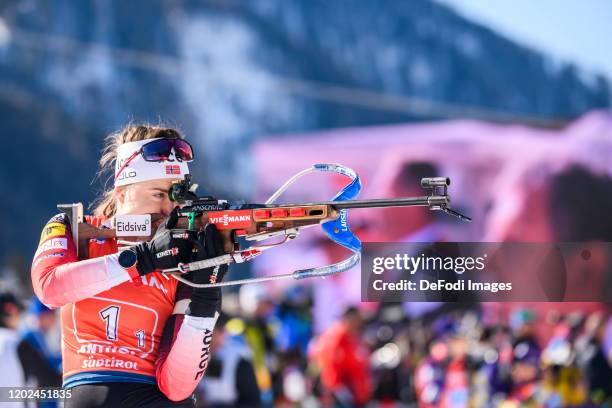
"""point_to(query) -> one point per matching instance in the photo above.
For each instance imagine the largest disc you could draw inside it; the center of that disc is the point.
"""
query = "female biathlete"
(130, 336)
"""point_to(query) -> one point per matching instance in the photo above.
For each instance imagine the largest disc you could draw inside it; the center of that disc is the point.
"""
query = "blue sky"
(569, 30)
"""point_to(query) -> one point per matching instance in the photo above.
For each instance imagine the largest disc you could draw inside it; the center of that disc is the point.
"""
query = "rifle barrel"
(377, 202)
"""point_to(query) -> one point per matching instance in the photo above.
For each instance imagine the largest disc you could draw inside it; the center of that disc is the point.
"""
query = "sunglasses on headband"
(161, 150)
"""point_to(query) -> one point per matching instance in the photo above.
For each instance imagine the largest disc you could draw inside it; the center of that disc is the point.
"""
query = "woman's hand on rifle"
(167, 249)
(206, 301)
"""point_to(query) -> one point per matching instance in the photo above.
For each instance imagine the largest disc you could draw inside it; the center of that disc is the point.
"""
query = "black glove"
(206, 301)
(167, 249)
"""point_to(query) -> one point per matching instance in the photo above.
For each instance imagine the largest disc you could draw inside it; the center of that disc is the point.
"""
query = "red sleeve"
(184, 350)
(58, 278)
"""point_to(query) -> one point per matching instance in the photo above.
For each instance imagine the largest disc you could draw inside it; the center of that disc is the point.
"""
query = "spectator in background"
(492, 353)
(44, 320)
(260, 329)
(592, 358)
(522, 323)
(562, 379)
(295, 319)
(21, 364)
(344, 362)
(457, 381)
(294, 383)
(442, 379)
(230, 380)
(11, 348)
(525, 373)
(429, 375)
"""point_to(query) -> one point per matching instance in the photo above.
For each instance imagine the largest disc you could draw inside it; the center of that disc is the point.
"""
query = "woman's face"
(146, 197)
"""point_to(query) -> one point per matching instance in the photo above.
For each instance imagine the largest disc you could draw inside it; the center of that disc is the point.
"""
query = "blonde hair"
(106, 205)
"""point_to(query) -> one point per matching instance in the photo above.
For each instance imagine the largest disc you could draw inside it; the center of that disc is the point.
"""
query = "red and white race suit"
(117, 327)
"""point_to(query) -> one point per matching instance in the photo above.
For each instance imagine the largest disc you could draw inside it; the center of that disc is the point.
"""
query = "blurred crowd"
(30, 348)
(454, 356)
(446, 358)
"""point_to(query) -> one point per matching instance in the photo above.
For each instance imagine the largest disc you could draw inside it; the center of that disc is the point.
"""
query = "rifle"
(262, 222)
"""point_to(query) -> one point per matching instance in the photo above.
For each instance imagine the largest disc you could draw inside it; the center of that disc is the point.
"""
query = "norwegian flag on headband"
(173, 169)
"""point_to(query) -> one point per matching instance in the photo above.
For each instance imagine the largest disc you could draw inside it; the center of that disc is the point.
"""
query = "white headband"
(138, 169)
